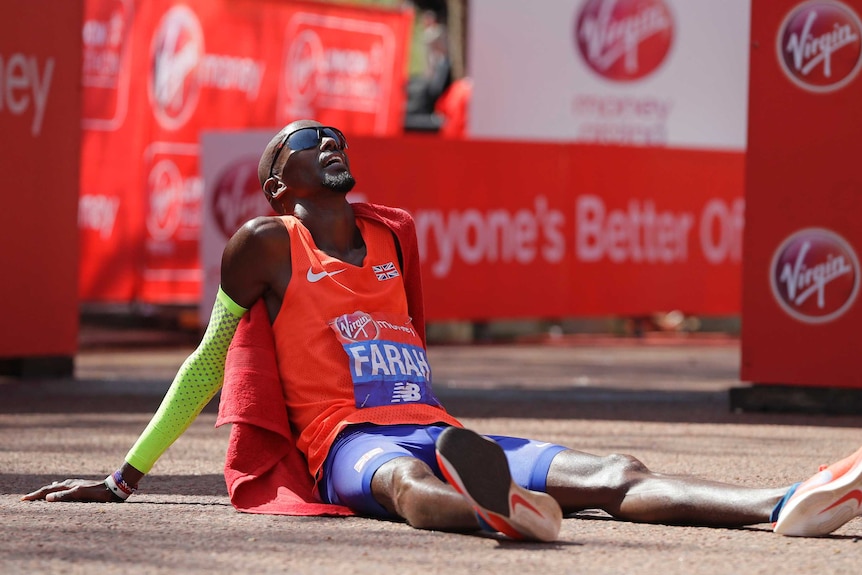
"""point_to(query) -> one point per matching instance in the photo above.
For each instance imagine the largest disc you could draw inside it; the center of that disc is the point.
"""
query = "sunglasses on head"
(307, 138)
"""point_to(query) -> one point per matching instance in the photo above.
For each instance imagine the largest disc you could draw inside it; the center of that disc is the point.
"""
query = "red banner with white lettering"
(40, 67)
(801, 304)
(557, 230)
(156, 73)
(546, 230)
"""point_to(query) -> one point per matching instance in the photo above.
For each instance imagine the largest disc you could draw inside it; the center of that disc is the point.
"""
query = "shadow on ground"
(582, 403)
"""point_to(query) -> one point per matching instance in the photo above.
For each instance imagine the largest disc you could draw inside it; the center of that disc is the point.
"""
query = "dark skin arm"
(255, 264)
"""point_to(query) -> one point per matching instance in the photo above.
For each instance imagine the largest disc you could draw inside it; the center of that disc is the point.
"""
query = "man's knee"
(619, 471)
(399, 485)
(584, 471)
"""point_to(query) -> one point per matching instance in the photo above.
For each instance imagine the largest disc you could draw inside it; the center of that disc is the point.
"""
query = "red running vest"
(346, 350)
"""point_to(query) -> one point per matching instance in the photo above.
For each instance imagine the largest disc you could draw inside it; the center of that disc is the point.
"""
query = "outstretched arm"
(256, 264)
(196, 382)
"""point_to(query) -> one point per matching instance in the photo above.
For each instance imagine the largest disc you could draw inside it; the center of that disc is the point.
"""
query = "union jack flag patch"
(385, 272)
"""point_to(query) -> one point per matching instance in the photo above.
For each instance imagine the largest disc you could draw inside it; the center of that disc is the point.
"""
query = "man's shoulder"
(260, 230)
(263, 225)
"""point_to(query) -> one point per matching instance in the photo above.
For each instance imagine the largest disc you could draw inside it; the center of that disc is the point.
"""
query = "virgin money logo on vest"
(815, 275)
(357, 326)
(624, 40)
(180, 69)
(820, 45)
(237, 196)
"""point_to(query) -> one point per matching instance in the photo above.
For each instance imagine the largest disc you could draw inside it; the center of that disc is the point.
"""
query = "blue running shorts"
(360, 450)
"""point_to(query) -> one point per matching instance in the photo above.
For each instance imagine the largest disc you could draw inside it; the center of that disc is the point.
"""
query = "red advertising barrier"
(556, 230)
(40, 67)
(521, 230)
(803, 239)
(156, 73)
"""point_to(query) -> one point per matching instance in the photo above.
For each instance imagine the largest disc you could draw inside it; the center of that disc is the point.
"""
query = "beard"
(341, 182)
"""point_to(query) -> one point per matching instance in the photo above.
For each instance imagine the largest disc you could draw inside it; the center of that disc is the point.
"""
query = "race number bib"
(387, 360)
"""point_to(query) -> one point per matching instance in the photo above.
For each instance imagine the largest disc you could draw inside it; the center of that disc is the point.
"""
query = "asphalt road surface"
(665, 401)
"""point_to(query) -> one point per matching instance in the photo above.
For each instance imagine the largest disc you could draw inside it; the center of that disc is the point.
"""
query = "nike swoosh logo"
(856, 495)
(316, 277)
(518, 500)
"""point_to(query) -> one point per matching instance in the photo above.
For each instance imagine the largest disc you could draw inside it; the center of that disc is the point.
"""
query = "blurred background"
(637, 168)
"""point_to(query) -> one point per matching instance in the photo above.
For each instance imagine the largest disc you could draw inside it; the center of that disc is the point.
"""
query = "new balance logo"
(385, 272)
(316, 277)
(406, 393)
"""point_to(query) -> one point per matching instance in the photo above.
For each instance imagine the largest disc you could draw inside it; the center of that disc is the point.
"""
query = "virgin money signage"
(801, 271)
(202, 65)
(172, 213)
(236, 196)
(232, 196)
(40, 144)
(181, 68)
(624, 40)
(668, 73)
(174, 81)
(815, 275)
(561, 231)
(340, 65)
(106, 74)
(819, 45)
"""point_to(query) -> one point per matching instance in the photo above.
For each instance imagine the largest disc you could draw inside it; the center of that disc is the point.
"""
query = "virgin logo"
(328, 70)
(305, 55)
(815, 275)
(357, 326)
(176, 51)
(820, 45)
(166, 186)
(624, 40)
(236, 196)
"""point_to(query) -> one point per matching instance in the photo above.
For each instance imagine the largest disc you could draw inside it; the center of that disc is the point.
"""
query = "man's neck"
(333, 227)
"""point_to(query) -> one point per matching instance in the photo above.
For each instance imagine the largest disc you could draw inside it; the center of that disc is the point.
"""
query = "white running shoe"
(477, 468)
(825, 502)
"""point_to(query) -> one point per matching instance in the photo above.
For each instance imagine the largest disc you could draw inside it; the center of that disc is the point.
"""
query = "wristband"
(118, 485)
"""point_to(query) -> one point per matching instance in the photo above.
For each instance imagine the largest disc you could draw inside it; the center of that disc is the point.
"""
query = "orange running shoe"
(825, 502)
(477, 468)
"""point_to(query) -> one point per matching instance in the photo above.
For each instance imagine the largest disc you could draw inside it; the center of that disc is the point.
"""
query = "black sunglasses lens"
(304, 139)
(337, 136)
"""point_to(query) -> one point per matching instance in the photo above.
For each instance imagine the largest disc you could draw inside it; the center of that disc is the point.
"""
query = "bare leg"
(623, 486)
(407, 487)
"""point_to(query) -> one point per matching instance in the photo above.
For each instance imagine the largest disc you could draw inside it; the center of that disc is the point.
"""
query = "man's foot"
(825, 502)
(477, 468)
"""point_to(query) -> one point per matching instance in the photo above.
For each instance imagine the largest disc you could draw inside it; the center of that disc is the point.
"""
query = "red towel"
(264, 471)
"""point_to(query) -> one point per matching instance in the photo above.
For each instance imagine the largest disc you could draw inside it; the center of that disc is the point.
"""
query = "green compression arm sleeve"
(196, 383)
